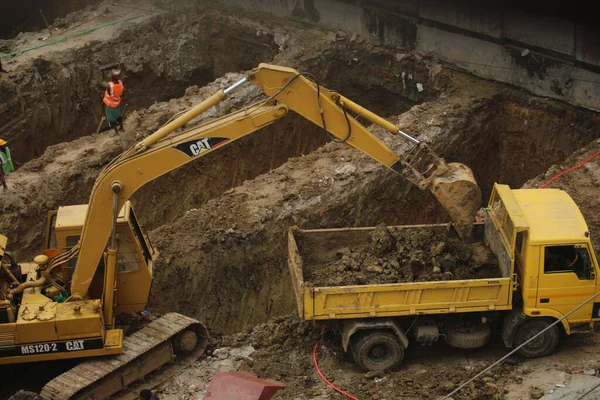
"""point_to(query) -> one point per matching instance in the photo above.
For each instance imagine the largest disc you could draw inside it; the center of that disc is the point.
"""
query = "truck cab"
(134, 260)
(555, 263)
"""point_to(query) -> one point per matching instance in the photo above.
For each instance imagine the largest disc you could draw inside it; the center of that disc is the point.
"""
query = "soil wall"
(65, 174)
(56, 99)
(551, 51)
(22, 16)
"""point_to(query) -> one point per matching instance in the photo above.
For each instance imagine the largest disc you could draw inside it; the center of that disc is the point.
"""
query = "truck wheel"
(468, 335)
(377, 350)
(541, 346)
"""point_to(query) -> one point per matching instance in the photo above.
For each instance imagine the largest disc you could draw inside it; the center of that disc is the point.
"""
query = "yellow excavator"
(98, 261)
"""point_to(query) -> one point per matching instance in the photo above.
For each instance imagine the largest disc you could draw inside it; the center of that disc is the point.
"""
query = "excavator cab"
(134, 260)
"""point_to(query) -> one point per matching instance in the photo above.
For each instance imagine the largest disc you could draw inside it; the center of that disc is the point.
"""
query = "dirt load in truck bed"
(397, 254)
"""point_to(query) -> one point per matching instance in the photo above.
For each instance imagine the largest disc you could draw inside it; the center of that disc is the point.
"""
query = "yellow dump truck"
(546, 268)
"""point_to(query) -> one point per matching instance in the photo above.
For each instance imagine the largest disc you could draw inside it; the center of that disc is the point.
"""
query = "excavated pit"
(220, 224)
(508, 138)
(264, 150)
(226, 261)
(54, 97)
(65, 174)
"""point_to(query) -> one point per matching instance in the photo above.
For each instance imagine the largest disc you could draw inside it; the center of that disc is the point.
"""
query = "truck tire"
(468, 335)
(377, 350)
(541, 346)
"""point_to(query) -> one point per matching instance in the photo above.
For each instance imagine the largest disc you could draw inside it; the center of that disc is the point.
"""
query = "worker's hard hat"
(115, 73)
(2, 142)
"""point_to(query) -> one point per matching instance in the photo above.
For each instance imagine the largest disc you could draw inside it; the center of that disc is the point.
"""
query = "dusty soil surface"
(282, 350)
(393, 255)
(64, 174)
(220, 225)
(160, 55)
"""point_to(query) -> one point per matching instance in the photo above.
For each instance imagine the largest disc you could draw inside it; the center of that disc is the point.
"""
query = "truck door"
(567, 279)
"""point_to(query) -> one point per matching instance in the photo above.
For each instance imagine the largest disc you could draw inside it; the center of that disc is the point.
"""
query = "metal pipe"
(188, 116)
(10, 274)
(235, 85)
(369, 115)
(110, 281)
(412, 139)
(182, 120)
(113, 235)
(100, 124)
(30, 284)
(373, 118)
(109, 286)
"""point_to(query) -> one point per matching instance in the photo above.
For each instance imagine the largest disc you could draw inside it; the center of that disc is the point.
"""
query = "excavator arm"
(287, 90)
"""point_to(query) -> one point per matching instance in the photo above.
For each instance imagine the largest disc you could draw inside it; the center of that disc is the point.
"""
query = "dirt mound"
(405, 255)
(284, 349)
(582, 185)
(61, 80)
(64, 174)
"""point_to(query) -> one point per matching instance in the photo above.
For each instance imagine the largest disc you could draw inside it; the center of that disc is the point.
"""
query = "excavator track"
(143, 352)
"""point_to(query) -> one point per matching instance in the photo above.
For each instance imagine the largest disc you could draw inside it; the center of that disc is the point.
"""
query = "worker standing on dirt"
(112, 101)
(7, 163)
(148, 395)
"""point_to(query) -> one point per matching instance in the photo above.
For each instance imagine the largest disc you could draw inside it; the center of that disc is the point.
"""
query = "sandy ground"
(223, 247)
(282, 350)
(107, 12)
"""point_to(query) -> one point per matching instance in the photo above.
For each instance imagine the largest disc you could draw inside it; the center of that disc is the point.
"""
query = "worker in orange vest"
(112, 101)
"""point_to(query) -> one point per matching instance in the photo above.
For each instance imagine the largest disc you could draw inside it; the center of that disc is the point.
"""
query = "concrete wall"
(549, 55)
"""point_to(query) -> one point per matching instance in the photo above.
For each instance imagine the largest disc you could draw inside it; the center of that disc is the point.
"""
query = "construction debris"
(222, 240)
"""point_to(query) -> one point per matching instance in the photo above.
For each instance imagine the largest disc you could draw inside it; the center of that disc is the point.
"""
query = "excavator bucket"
(458, 193)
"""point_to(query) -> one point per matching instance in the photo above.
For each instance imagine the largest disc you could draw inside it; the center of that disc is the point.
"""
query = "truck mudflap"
(143, 352)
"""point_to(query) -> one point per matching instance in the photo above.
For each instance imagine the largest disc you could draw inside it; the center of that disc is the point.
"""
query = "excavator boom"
(452, 184)
(110, 235)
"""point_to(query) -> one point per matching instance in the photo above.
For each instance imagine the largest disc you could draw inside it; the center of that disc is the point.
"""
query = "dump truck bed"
(310, 249)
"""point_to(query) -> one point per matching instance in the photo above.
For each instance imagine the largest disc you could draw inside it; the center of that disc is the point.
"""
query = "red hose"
(570, 169)
(325, 379)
